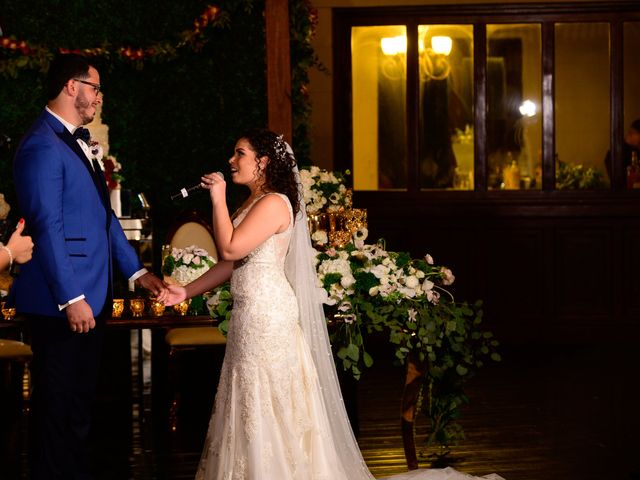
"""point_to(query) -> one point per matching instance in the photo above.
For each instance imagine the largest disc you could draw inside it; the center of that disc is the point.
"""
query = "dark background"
(171, 117)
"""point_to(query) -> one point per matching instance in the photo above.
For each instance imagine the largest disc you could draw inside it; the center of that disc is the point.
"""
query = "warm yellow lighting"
(394, 45)
(441, 45)
(528, 108)
(422, 33)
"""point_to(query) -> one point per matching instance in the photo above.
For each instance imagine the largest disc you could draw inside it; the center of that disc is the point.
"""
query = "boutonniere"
(96, 152)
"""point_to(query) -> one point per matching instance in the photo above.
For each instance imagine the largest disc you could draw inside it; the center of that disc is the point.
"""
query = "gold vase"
(136, 305)
(117, 308)
(156, 308)
(8, 312)
(340, 225)
(182, 308)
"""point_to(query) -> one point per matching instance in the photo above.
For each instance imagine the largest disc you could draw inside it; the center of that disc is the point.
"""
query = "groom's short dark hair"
(63, 68)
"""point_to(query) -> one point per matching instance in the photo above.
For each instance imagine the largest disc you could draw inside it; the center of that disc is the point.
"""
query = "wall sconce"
(433, 61)
(441, 44)
(395, 49)
(394, 45)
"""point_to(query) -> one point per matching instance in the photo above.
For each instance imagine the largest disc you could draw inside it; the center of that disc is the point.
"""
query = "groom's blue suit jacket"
(76, 235)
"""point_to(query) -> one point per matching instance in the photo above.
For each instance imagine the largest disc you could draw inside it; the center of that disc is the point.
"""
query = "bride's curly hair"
(278, 173)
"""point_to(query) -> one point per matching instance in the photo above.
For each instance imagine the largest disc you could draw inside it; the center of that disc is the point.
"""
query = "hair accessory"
(281, 148)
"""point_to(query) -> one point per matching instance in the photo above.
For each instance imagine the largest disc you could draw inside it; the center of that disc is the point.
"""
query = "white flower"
(380, 271)
(427, 285)
(361, 234)
(412, 312)
(187, 257)
(347, 280)
(433, 296)
(345, 306)
(429, 259)
(320, 237)
(448, 277)
(412, 281)
(349, 318)
(326, 177)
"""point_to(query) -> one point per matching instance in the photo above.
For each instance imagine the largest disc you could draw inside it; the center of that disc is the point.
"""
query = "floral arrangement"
(370, 289)
(184, 265)
(572, 177)
(112, 174)
(219, 303)
(324, 191)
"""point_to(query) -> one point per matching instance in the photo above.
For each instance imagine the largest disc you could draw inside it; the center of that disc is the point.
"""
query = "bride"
(278, 411)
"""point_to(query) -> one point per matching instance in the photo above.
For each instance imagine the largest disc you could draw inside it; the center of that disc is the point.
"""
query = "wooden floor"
(541, 414)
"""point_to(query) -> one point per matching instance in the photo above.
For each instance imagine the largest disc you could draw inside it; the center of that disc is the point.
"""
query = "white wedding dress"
(270, 419)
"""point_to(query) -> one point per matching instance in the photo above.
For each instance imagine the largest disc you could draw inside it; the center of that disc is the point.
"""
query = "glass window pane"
(446, 106)
(582, 107)
(631, 90)
(514, 93)
(378, 56)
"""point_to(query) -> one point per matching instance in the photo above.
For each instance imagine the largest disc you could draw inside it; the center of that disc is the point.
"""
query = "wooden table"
(159, 325)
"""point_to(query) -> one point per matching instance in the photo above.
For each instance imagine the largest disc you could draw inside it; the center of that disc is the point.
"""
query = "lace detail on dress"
(263, 425)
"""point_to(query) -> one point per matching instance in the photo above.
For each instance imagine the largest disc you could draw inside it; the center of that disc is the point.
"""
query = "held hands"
(80, 315)
(152, 283)
(21, 247)
(173, 295)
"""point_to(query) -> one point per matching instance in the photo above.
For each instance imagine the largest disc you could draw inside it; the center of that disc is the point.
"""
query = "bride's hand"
(216, 185)
(174, 294)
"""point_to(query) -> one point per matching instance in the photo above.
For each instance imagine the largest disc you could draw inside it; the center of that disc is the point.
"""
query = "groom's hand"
(80, 317)
(152, 283)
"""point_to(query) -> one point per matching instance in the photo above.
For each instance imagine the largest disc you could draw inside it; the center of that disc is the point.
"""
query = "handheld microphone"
(184, 192)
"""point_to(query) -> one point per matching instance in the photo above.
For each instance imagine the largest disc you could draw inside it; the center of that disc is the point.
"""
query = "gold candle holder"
(117, 308)
(155, 307)
(8, 313)
(182, 308)
(136, 305)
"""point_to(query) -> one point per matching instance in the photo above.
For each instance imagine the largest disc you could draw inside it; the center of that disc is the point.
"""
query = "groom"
(65, 291)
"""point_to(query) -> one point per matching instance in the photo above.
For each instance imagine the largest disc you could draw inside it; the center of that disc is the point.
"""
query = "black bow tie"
(83, 134)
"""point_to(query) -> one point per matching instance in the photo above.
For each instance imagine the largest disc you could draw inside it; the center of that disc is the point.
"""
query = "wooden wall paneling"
(629, 284)
(278, 68)
(583, 271)
(515, 277)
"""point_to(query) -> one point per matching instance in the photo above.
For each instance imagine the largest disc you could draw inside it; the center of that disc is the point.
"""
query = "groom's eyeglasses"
(96, 86)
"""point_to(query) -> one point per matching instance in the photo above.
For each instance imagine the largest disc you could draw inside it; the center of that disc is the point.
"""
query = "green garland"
(20, 54)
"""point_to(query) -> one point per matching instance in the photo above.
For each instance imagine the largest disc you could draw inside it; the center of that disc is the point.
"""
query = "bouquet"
(219, 303)
(369, 289)
(184, 265)
(324, 191)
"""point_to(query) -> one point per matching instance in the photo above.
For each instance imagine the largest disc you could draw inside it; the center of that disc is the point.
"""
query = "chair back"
(191, 229)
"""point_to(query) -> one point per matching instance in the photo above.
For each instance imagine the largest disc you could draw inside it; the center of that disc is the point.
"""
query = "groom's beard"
(83, 107)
